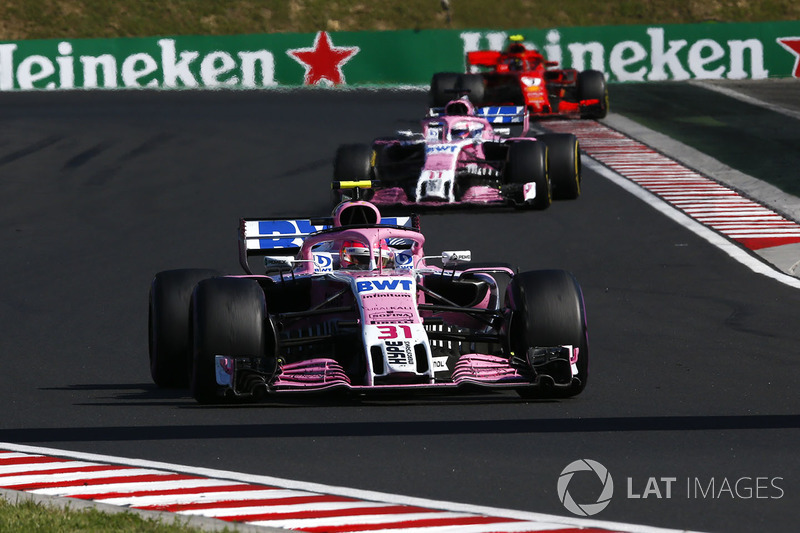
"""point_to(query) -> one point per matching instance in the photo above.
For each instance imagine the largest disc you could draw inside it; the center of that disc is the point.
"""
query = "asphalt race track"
(694, 364)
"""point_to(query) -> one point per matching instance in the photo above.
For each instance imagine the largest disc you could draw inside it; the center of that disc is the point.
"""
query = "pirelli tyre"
(473, 86)
(229, 317)
(547, 311)
(353, 162)
(592, 86)
(169, 340)
(526, 162)
(564, 164)
(442, 89)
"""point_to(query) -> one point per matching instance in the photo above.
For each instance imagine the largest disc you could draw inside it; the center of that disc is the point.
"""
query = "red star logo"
(792, 44)
(323, 61)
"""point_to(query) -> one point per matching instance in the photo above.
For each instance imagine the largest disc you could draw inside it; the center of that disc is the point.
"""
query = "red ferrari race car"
(522, 76)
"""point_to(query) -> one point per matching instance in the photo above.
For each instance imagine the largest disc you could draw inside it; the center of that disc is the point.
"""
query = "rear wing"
(491, 58)
(483, 58)
(505, 115)
(502, 114)
(284, 237)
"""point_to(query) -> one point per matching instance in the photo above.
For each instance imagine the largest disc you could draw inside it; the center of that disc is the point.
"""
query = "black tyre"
(473, 86)
(353, 162)
(592, 86)
(527, 162)
(169, 336)
(442, 86)
(547, 310)
(564, 164)
(228, 318)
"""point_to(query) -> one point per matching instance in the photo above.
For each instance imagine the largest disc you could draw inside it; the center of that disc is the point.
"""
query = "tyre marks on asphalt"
(142, 488)
(740, 219)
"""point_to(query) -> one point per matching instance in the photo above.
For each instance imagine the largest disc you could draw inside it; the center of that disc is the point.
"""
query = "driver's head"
(516, 44)
(355, 255)
(461, 132)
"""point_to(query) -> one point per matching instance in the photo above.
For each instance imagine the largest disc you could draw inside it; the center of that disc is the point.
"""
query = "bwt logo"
(323, 262)
(404, 260)
(384, 285)
(440, 149)
(585, 509)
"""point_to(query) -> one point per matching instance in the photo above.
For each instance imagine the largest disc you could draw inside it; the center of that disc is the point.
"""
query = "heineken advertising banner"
(396, 58)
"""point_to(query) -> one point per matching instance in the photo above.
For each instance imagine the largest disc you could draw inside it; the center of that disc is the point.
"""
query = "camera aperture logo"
(585, 509)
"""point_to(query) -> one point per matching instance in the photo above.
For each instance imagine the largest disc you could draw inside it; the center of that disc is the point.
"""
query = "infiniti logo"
(585, 509)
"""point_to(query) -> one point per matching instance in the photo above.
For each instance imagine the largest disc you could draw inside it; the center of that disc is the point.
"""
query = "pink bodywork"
(388, 301)
(445, 155)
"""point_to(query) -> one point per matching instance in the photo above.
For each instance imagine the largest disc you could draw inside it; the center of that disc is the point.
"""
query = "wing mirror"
(456, 257)
(277, 264)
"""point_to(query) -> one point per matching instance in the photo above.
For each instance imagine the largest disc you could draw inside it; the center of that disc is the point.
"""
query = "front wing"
(475, 370)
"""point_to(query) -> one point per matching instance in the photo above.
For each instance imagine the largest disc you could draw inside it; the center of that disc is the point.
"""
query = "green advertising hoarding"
(396, 58)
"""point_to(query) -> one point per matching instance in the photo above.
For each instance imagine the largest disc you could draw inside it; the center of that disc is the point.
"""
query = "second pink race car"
(463, 155)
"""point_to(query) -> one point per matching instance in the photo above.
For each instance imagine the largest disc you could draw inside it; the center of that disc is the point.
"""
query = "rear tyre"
(564, 164)
(169, 338)
(229, 318)
(353, 162)
(547, 310)
(442, 86)
(527, 162)
(592, 86)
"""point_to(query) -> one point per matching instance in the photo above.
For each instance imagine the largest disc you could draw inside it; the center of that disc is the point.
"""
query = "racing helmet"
(516, 44)
(354, 255)
(460, 131)
(464, 130)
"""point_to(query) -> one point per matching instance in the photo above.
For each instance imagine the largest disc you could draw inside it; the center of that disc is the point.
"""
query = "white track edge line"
(742, 97)
(730, 248)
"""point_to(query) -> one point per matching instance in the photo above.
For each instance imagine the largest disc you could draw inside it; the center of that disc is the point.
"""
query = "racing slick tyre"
(592, 86)
(472, 85)
(442, 89)
(353, 162)
(228, 318)
(527, 162)
(564, 164)
(547, 310)
(169, 339)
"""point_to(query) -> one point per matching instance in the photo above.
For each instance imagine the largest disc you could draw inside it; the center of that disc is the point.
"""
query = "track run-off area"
(691, 405)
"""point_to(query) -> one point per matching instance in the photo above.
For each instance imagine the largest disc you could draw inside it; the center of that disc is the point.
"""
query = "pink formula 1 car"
(466, 156)
(350, 302)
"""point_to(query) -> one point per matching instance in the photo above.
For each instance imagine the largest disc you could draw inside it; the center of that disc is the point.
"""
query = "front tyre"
(169, 321)
(442, 89)
(527, 161)
(592, 86)
(228, 318)
(564, 164)
(547, 310)
(473, 86)
(353, 162)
